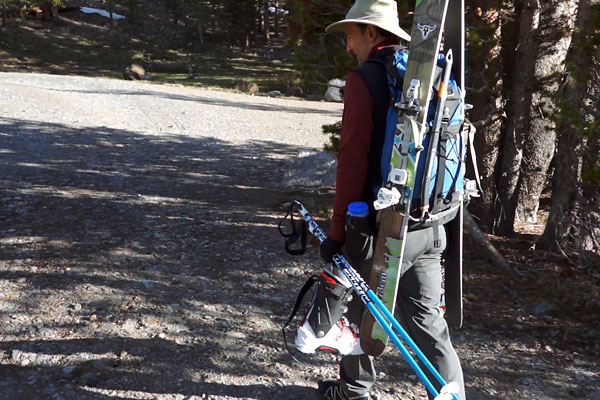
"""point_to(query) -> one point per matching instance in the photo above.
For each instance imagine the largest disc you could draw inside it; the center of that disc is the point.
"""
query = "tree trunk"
(566, 177)
(587, 232)
(553, 39)
(573, 224)
(132, 11)
(201, 35)
(111, 9)
(484, 91)
(518, 120)
(49, 10)
(260, 21)
(267, 24)
(215, 11)
(276, 19)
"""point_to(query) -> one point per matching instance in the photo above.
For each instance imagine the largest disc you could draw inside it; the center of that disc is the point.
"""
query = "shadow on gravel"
(66, 192)
(110, 239)
(249, 104)
(141, 366)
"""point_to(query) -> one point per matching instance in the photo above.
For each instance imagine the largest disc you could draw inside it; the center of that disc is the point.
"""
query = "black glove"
(329, 247)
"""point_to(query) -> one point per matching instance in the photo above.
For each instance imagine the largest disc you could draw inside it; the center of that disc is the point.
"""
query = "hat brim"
(340, 26)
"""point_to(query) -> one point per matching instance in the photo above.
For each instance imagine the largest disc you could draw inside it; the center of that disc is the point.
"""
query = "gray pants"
(418, 310)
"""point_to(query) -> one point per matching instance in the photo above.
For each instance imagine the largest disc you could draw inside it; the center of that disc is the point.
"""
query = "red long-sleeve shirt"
(353, 155)
(355, 143)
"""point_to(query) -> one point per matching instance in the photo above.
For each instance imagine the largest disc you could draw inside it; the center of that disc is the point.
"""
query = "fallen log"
(477, 236)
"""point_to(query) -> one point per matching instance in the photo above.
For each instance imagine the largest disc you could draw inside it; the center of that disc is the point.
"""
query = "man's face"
(358, 42)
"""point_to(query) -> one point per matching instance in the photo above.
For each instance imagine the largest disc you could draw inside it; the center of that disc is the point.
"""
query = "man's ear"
(372, 32)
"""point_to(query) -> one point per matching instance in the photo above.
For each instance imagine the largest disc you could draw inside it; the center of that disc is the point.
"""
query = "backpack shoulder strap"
(386, 60)
(374, 74)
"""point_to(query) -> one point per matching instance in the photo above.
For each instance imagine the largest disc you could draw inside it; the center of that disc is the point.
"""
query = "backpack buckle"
(471, 189)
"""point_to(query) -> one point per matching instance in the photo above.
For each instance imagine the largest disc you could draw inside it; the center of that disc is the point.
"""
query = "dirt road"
(139, 256)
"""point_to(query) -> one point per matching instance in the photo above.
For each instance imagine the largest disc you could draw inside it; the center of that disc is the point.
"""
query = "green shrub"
(333, 130)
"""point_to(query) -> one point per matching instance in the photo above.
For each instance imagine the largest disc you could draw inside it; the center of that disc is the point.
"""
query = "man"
(372, 29)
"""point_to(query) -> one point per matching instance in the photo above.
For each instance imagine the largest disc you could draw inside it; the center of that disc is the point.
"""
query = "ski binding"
(411, 105)
(387, 198)
(398, 176)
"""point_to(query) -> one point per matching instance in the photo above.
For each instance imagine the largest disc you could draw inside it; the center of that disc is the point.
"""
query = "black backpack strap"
(298, 231)
(387, 62)
(305, 288)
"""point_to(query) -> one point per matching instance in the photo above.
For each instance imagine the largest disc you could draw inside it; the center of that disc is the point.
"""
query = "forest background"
(533, 76)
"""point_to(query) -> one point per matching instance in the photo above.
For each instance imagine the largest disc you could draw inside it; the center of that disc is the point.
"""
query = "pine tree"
(319, 57)
(573, 226)
(484, 80)
(553, 38)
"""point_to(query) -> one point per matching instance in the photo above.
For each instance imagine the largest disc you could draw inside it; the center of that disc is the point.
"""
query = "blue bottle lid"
(358, 209)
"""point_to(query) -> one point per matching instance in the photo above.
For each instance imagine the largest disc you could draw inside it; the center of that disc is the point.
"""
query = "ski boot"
(325, 327)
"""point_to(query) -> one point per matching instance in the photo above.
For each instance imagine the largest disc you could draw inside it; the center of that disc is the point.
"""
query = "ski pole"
(376, 307)
(435, 136)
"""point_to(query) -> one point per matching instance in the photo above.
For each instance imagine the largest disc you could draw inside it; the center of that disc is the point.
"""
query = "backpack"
(447, 186)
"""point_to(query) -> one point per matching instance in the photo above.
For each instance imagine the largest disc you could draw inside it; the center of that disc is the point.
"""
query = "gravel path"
(139, 256)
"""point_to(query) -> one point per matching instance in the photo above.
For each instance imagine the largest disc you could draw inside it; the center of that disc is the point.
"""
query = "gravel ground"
(139, 255)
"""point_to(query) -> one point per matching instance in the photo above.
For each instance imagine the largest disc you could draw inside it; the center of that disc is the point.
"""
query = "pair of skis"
(394, 200)
(384, 317)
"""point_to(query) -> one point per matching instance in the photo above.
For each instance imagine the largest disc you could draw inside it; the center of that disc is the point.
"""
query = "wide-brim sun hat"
(381, 13)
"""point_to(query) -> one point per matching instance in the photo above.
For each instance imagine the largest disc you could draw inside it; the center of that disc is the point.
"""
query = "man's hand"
(329, 247)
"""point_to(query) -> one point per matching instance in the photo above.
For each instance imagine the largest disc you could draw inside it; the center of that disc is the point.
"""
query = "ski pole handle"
(313, 227)
(360, 288)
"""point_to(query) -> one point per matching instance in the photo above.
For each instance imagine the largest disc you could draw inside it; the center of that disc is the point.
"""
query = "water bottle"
(358, 209)
(359, 233)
